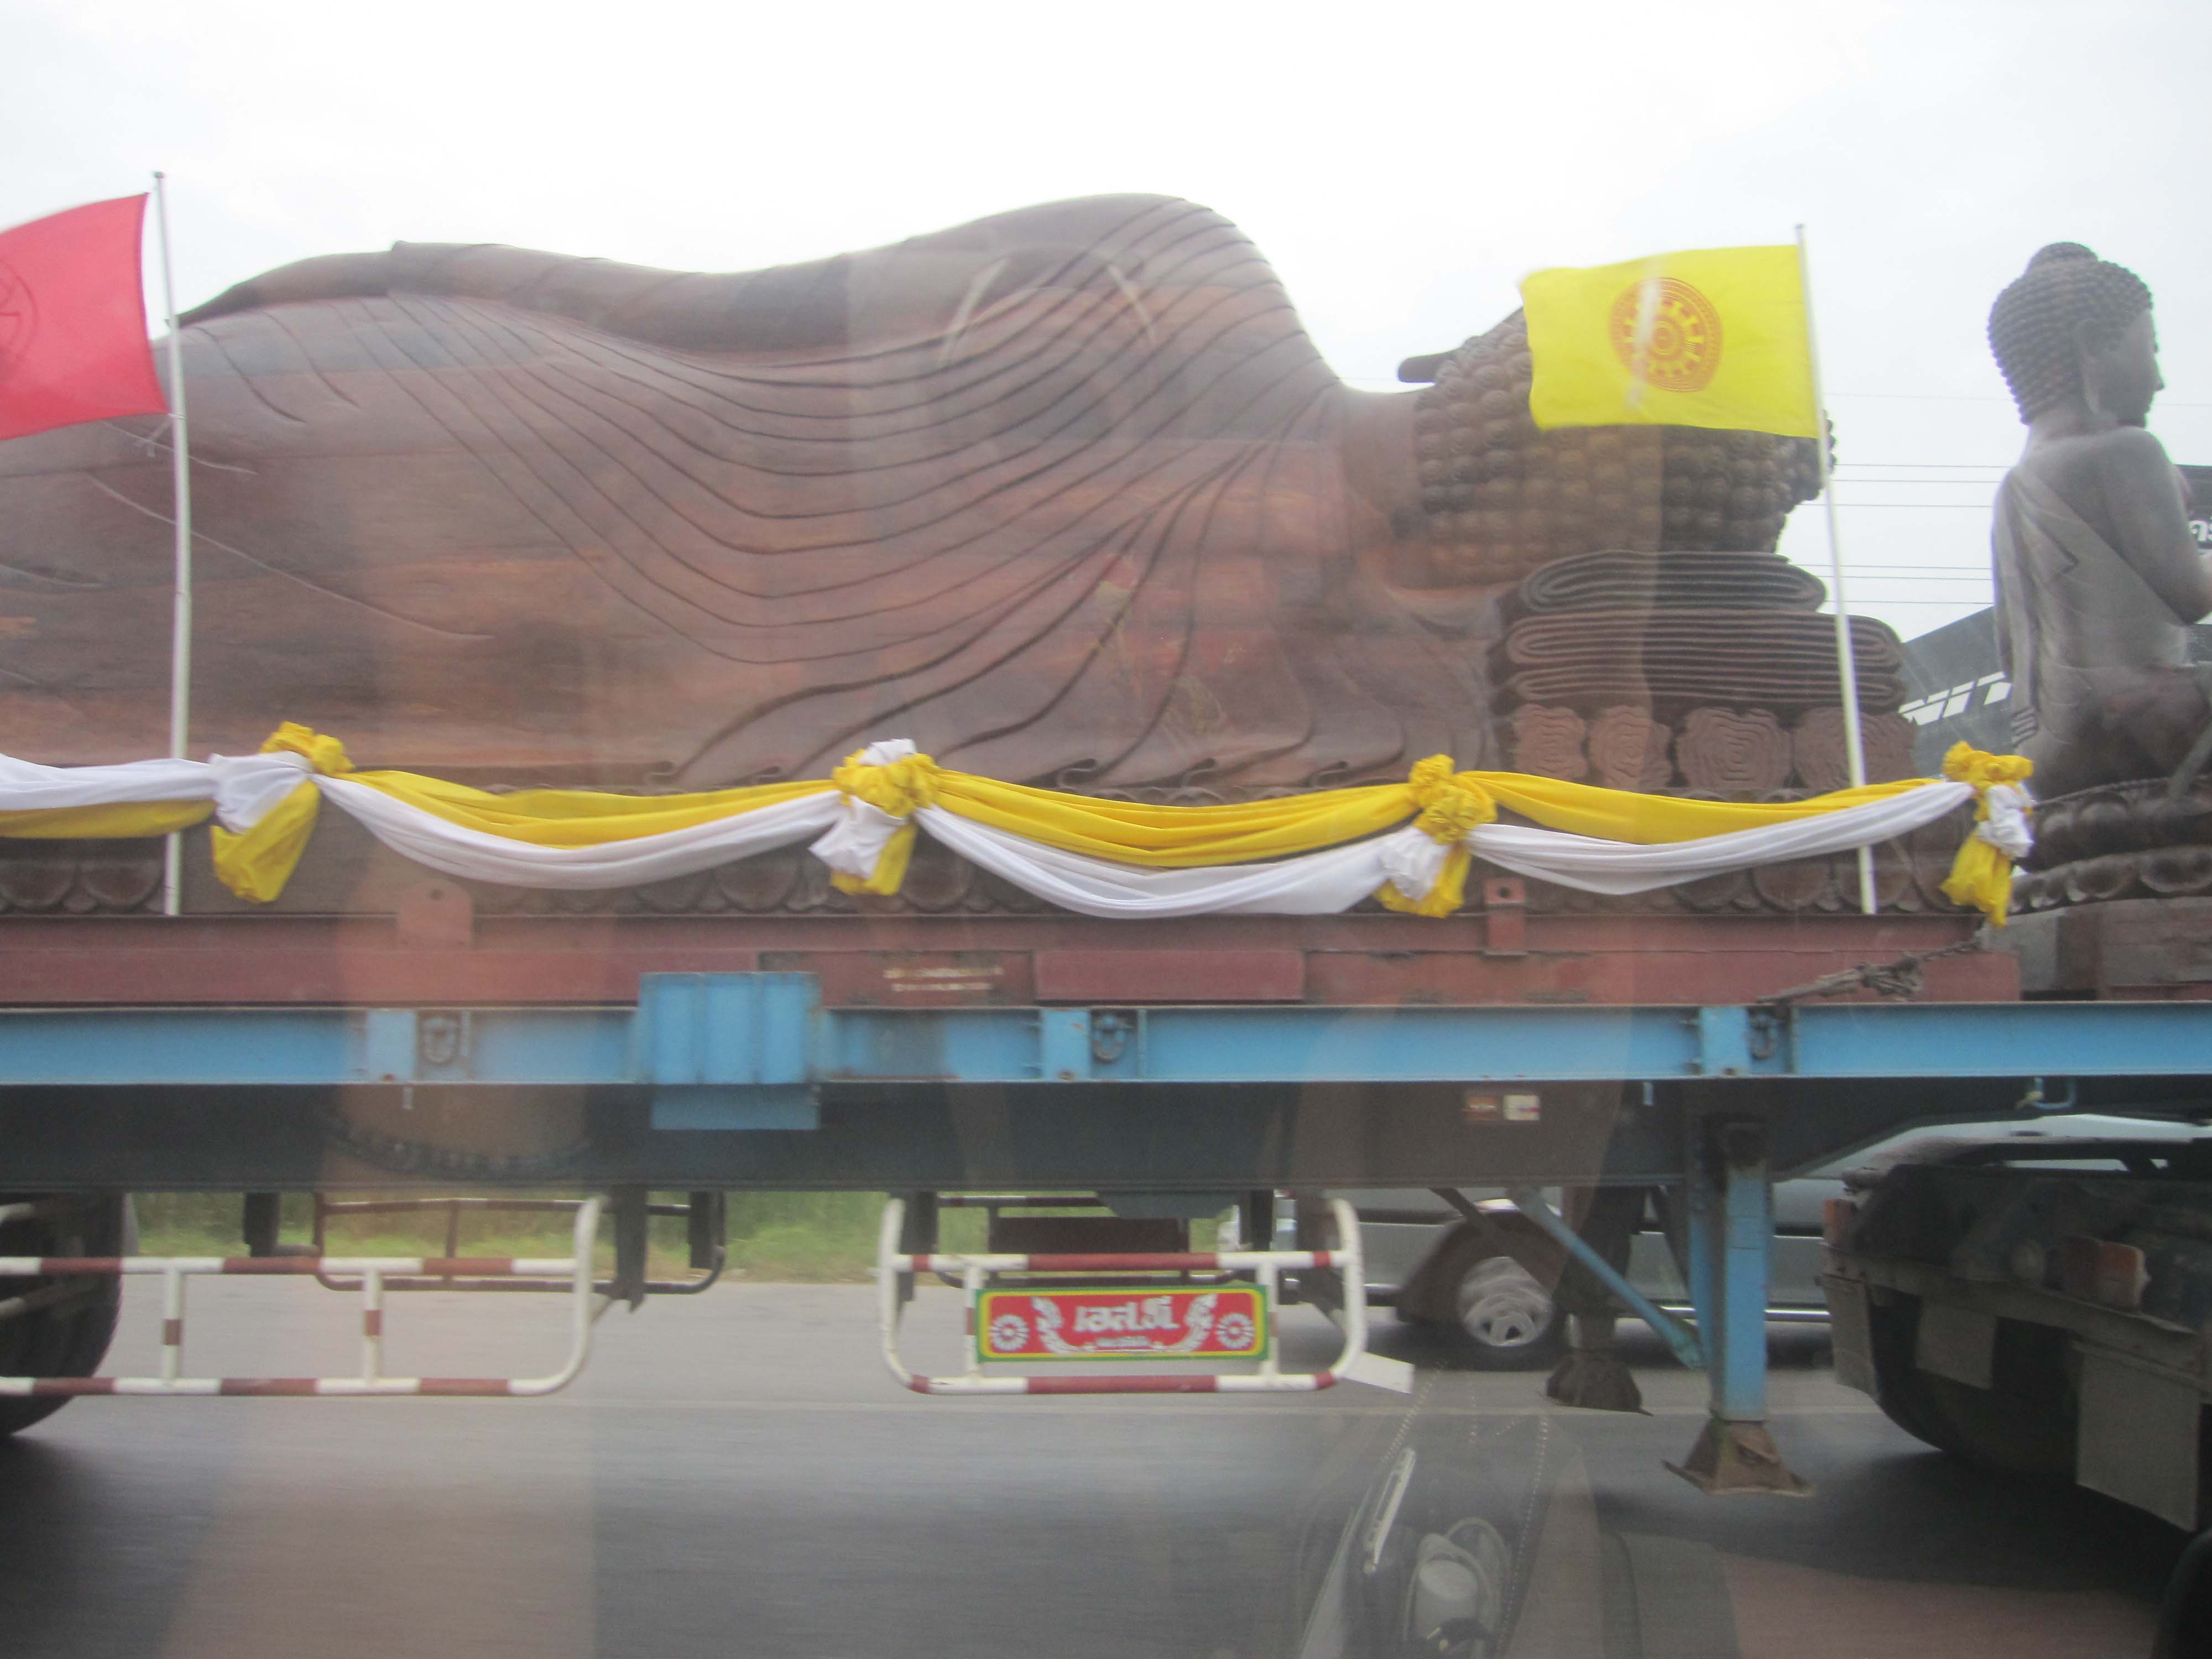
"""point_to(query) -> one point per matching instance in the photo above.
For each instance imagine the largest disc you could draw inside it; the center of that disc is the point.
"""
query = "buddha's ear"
(2095, 339)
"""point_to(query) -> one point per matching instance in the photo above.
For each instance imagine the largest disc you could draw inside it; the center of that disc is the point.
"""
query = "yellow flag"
(1708, 337)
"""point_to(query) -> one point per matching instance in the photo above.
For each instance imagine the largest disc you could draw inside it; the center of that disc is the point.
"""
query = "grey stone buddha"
(2097, 575)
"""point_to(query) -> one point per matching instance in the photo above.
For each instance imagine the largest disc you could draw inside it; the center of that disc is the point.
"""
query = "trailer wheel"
(70, 1337)
(1506, 1319)
(2185, 1618)
(2023, 1424)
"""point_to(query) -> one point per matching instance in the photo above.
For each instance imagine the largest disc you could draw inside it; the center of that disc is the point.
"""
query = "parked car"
(1486, 1285)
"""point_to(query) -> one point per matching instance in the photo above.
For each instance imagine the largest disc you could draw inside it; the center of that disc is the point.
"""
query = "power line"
(1982, 398)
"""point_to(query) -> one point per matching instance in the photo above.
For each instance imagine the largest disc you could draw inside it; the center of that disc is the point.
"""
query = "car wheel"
(70, 1339)
(1507, 1320)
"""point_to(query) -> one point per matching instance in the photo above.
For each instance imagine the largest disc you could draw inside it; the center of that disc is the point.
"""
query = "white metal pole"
(180, 624)
(1846, 662)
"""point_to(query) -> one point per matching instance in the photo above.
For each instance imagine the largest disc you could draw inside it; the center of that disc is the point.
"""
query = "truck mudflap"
(572, 1273)
(1101, 1308)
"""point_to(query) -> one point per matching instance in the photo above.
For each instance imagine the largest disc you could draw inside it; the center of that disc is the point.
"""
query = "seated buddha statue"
(2098, 577)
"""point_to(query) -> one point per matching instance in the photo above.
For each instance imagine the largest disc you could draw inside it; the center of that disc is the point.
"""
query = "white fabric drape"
(249, 786)
(1338, 878)
(2008, 828)
(1616, 867)
(428, 839)
(27, 787)
(1312, 885)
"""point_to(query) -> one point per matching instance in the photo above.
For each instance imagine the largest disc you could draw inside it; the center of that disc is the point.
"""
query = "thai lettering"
(1151, 1313)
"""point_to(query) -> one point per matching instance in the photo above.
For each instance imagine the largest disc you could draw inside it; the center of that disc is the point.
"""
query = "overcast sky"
(1402, 166)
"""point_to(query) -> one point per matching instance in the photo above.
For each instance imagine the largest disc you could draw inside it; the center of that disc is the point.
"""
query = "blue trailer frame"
(746, 1080)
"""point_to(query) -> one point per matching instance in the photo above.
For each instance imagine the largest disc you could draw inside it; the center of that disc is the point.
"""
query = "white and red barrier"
(1266, 1268)
(374, 1272)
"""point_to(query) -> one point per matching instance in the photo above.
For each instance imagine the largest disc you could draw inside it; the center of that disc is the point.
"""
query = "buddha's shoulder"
(2121, 446)
(2127, 453)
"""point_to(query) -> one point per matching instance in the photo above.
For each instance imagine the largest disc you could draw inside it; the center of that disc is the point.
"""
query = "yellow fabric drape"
(1445, 803)
(129, 820)
(577, 817)
(1584, 809)
(257, 863)
(543, 817)
(1177, 837)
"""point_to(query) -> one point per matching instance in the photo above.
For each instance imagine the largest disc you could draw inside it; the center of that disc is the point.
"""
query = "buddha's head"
(1499, 497)
(2075, 324)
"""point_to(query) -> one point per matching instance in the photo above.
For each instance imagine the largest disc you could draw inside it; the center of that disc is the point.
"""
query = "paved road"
(737, 1476)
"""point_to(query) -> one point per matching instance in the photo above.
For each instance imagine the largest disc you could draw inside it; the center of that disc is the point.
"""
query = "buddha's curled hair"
(2032, 327)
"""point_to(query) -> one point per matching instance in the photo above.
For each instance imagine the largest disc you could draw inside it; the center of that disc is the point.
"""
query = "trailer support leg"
(1730, 1229)
(1590, 1374)
(1684, 1342)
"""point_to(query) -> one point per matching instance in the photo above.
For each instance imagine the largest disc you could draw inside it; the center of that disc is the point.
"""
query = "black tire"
(2023, 1424)
(70, 1339)
(2185, 1618)
(1507, 1321)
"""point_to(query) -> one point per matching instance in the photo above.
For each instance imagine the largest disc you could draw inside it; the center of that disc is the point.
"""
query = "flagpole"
(1846, 663)
(180, 623)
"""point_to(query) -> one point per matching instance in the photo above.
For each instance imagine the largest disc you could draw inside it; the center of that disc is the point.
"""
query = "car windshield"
(1225, 832)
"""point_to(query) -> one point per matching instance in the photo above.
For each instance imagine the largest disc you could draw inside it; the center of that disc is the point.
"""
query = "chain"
(397, 1157)
(1900, 980)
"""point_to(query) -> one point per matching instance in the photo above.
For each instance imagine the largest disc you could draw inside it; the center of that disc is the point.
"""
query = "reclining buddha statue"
(1065, 494)
(2098, 577)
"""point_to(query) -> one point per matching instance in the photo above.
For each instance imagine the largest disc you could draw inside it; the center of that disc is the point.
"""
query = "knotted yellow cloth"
(323, 751)
(898, 789)
(256, 863)
(1981, 874)
(1452, 804)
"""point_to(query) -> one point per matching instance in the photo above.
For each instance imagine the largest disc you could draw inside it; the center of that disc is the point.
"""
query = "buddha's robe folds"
(1060, 492)
(2089, 646)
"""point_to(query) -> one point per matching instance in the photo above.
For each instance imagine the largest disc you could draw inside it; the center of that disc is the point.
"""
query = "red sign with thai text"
(1227, 1321)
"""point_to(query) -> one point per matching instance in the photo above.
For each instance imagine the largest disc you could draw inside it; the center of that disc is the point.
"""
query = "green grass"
(798, 1237)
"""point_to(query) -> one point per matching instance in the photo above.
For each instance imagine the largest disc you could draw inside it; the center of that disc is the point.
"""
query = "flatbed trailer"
(430, 1046)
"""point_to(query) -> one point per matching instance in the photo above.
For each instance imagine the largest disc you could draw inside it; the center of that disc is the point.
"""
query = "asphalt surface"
(737, 1475)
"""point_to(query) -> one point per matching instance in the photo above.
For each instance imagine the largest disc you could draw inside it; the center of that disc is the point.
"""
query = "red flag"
(73, 341)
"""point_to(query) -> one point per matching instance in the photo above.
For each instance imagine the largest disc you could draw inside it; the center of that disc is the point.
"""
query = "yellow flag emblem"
(1708, 336)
